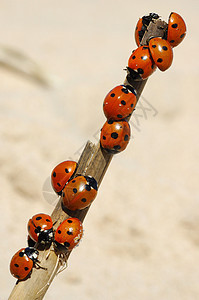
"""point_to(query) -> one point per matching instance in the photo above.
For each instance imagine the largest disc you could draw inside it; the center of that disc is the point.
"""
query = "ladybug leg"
(37, 266)
(63, 263)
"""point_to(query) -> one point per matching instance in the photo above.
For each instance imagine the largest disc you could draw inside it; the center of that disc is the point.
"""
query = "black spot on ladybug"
(83, 200)
(54, 174)
(160, 60)
(104, 138)
(26, 268)
(67, 244)
(124, 90)
(182, 35)
(132, 105)
(38, 218)
(28, 227)
(69, 232)
(144, 57)
(117, 147)
(75, 190)
(59, 231)
(133, 57)
(126, 137)
(66, 170)
(16, 265)
(171, 41)
(140, 71)
(114, 135)
(153, 46)
(47, 220)
(112, 95)
(123, 102)
(69, 221)
(110, 122)
(144, 48)
(87, 187)
(73, 181)
(174, 25)
(165, 48)
(119, 116)
(58, 184)
(21, 254)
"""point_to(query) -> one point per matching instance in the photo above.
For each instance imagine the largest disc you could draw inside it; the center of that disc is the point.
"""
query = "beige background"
(141, 236)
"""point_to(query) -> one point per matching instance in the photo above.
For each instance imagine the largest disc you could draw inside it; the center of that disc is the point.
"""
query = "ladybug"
(79, 192)
(119, 102)
(23, 261)
(61, 174)
(40, 229)
(176, 29)
(161, 53)
(68, 234)
(115, 136)
(141, 64)
(142, 25)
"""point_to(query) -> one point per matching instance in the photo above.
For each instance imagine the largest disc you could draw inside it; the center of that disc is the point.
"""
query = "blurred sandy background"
(141, 236)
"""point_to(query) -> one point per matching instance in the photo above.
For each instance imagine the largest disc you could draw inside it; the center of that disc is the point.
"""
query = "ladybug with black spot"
(23, 261)
(68, 235)
(61, 174)
(120, 102)
(176, 29)
(40, 229)
(142, 25)
(161, 53)
(115, 136)
(141, 64)
(79, 192)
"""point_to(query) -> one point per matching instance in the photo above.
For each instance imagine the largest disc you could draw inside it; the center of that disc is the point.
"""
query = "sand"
(141, 237)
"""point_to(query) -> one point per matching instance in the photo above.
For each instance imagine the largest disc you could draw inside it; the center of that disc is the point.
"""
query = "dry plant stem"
(94, 161)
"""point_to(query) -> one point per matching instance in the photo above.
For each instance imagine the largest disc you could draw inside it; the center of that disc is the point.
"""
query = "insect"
(68, 234)
(161, 53)
(140, 63)
(61, 174)
(176, 29)
(79, 192)
(115, 136)
(40, 229)
(119, 102)
(23, 261)
(142, 25)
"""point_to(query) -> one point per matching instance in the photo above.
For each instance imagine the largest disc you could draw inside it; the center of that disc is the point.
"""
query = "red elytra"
(79, 193)
(68, 234)
(119, 102)
(161, 53)
(61, 174)
(176, 29)
(115, 136)
(140, 64)
(22, 262)
(40, 228)
(142, 25)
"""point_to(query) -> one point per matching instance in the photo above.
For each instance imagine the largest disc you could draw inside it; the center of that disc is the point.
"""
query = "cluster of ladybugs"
(121, 100)
(77, 191)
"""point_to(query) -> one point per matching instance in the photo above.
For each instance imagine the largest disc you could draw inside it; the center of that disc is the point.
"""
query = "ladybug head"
(46, 236)
(32, 253)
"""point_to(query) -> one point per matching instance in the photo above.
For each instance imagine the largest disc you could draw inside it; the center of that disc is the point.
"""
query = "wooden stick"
(94, 161)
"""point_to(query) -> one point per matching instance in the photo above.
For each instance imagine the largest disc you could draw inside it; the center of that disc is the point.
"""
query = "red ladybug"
(40, 228)
(161, 53)
(141, 64)
(68, 234)
(61, 174)
(119, 102)
(176, 29)
(22, 262)
(142, 25)
(79, 192)
(115, 136)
